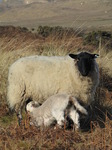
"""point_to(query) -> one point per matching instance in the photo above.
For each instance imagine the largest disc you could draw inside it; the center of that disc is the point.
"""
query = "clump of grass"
(100, 138)
(94, 38)
(105, 61)
(59, 31)
(6, 120)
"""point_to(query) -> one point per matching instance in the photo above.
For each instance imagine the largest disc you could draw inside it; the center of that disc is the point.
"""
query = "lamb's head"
(85, 62)
(31, 106)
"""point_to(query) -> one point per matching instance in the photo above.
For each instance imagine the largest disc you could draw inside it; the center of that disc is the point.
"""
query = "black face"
(84, 62)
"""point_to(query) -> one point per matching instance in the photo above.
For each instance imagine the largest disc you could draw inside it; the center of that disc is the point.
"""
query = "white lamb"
(38, 77)
(56, 108)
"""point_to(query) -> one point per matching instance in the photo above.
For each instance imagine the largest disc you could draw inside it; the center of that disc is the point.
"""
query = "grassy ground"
(96, 131)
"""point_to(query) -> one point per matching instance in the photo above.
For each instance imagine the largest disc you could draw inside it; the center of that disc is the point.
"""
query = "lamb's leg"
(75, 118)
(59, 116)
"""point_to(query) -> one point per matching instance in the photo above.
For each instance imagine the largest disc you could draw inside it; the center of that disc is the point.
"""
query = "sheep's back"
(45, 76)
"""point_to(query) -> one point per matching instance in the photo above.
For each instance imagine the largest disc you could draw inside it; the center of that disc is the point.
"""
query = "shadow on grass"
(97, 114)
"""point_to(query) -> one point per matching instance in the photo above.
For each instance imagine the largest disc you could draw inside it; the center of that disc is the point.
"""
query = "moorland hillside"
(75, 13)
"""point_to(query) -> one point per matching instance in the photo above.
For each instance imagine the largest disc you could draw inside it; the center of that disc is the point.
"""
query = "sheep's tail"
(80, 108)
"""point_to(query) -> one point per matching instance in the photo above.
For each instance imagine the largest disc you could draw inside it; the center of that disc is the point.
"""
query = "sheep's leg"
(18, 110)
(19, 116)
(75, 118)
(15, 94)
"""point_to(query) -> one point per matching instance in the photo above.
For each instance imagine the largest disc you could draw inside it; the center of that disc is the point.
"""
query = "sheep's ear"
(74, 56)
(95, 55)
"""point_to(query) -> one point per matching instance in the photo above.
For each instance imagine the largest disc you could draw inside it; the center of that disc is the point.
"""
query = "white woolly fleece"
(38, 77)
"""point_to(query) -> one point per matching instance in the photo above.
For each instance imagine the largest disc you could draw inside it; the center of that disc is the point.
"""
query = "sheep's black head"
(85, 62)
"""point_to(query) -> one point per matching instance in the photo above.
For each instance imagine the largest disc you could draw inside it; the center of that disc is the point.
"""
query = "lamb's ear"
(74, 56)
(95, 55)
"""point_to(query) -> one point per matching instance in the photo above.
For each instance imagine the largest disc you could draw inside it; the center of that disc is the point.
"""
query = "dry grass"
(96, 131)
(106, 61)
(28, 137)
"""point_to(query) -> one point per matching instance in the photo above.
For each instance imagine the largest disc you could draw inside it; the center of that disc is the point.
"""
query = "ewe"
(38, 77)
(56, 108)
